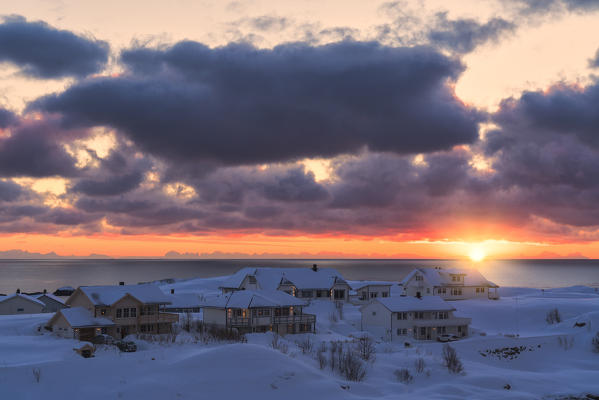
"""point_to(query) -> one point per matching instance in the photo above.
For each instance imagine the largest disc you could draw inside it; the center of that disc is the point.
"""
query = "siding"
(12, 306)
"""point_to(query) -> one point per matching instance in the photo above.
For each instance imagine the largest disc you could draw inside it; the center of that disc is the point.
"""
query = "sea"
(36, 275)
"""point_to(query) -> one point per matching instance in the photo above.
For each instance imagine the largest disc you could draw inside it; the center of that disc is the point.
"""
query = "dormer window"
(252, 279)
(419, 277)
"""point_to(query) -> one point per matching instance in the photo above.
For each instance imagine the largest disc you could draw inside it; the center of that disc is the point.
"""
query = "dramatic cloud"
(7, 118)
(9, 191)
(240, 105)
(464, 35)
(42, 51)
(528, 7)
(594, 62)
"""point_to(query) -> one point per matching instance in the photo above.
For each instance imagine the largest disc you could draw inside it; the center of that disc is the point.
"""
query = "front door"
(124, 331)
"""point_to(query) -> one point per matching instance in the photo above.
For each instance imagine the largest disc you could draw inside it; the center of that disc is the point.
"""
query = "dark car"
(103, 339)
(127, 346)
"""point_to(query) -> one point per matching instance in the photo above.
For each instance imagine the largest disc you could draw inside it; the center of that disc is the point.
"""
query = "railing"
(295, 319)
(159, 318)
(286, 319)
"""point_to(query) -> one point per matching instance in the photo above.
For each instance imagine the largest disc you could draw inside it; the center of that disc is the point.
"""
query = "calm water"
(34, 275)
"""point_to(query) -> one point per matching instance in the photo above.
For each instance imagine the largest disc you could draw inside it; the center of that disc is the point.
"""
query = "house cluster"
(266, 299)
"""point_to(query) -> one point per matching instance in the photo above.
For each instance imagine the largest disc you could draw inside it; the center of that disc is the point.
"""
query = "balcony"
(261, 321)
(159, 318)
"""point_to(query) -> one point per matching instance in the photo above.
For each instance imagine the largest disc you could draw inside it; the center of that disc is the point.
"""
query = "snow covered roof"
(442, 276)
(408, 303)
(184, 300)
(50, 296)
(108, 295)
(23, 296)
(301, 278)
(252, 299)
(357, 285)
(66, 288)
(79, 317)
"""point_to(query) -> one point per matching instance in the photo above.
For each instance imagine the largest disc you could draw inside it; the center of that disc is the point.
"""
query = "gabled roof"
(184, 300)
(108, 295)
(252, 299)
(50, 296)
(357, 285)
(441, 276)
(79, 317)
(301, 278)
(23, 296)
(407, 303)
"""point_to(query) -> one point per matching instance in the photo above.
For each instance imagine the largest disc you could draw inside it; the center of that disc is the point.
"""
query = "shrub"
(553, 317)
(322, 359)
(419, 365)
(351, 367)
(451, 360)
(333, 352)
(567, 342)
(403, 375)
(595, 343)
(275, 343)
(37, 374)
(305, 345)
(366, 349)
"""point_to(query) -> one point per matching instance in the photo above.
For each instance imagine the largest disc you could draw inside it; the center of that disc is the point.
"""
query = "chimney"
(45, 291)
(172, 291)
(121, 283)
(18, 291)
(314, 267)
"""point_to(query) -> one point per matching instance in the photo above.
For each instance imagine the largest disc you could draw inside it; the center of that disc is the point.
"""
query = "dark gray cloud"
(269, 23)
(42, 51)
(541, 7)
(465, 34)
(240, 105)
(7, 118)
(594, 62)
(35, 149)
(10, 191)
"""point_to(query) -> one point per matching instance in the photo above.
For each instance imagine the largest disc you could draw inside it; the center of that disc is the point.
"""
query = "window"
(422, 331)
(402, 331)
(419, 277)
(482, 289)
(133, 312)
(20, 309)
(442, 315)
(428, 290)
(453, 278)
(119, 313)
(441, 330)
(442, 290)
(374, 313)
(402, 315)
(125, 313)
(373, 295)
(419, 315)
(103, 311)
(456, 292)
(385, 294)
(306, 293)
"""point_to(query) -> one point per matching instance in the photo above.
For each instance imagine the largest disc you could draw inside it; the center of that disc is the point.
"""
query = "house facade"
(258, 311)
(449, 284)
(19, 303)
(132, 309)
(399, 318)
(369, 290)
(79, 324)
(303, 283)
(52, 303)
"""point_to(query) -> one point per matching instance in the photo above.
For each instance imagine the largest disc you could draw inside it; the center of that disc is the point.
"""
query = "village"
(436, 325)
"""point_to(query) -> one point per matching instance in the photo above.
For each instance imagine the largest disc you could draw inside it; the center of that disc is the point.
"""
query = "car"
(447, 338)
(103, 339)
(127, 346)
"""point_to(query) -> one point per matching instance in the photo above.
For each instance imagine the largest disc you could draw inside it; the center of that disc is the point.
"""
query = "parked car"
(103, 339)
(126, 346)
(447, 338)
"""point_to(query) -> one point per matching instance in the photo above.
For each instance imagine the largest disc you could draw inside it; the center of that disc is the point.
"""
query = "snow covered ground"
(552, 360)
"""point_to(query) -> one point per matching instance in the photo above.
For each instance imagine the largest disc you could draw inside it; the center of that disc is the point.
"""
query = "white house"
(52, 303)
(18, 303)
(258, 311)
(449, 284)
(305, 283)
(424, 318)
(183, 302)
(78, 323)
(367, 290)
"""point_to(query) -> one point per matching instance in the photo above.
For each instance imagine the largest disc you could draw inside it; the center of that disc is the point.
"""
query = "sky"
(402, 129)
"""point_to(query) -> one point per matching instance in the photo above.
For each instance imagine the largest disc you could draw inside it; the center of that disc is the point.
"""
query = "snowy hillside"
(512, 353)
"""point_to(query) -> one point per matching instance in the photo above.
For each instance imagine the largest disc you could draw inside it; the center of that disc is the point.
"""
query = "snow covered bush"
(351, 367)
(275, 343)
(305, 345)
(37, 374)
(566, 342)
(553, 317)
(403, 375)
(333, 318)
(365, 348)
(451, 360)
(419, 365)
(595, 343)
